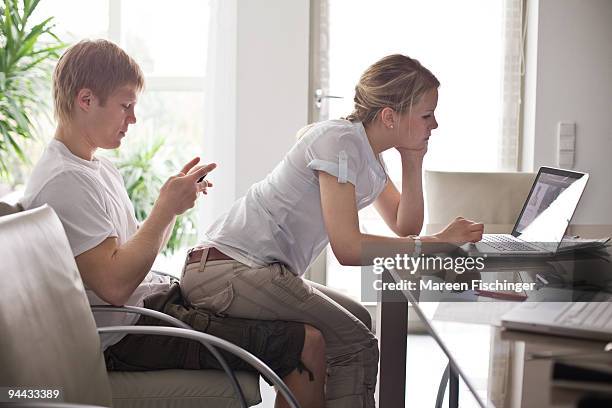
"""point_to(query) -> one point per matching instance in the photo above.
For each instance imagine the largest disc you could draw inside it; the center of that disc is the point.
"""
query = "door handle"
(319, 96)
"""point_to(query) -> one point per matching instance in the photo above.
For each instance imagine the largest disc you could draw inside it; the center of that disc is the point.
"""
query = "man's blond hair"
(98, 65)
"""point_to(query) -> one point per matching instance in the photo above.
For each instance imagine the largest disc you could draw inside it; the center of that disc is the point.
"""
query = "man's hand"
(178, 194)
(203, 184)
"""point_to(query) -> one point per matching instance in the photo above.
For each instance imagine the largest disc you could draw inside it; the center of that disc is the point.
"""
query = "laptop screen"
(550, 205)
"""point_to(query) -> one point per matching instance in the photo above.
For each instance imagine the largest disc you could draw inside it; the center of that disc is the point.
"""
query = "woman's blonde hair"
(98, 65)
(396, 81)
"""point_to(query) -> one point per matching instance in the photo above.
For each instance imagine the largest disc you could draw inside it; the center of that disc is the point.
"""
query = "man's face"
(107, 124)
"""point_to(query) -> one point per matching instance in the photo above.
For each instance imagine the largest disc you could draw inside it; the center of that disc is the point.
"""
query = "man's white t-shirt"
(280, 218)
(91, 201)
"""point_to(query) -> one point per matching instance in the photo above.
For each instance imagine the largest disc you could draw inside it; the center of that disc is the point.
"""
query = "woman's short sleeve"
(336, 153)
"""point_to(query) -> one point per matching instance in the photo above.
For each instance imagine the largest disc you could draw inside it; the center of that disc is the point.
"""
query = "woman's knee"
(362, 314)
(314, 346)
(355, 308)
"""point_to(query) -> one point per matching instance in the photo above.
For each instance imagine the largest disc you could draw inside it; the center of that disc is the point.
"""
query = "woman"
(255, 255)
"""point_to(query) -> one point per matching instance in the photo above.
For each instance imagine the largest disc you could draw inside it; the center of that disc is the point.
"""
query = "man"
(95, 89)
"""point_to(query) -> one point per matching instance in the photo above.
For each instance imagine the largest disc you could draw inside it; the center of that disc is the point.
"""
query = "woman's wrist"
(436, 244)
(411, 158)
(430, 239)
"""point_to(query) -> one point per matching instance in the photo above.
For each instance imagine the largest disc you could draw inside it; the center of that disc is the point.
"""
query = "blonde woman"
(253, 258)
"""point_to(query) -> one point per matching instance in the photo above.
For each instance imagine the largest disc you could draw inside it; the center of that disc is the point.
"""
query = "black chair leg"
(450, 377)
(442, 387)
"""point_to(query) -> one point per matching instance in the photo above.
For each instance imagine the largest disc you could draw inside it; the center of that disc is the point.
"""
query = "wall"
(257, 93)
(569, 54)
(272, 84)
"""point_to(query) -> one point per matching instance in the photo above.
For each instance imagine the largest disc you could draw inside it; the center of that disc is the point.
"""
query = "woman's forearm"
(362, 248)
(410, 209)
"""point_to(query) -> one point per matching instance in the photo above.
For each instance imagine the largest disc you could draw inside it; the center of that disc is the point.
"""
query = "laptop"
(544, 219)
(592, 320)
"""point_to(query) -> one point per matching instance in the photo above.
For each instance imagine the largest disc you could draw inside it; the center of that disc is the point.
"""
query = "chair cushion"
(180, 389)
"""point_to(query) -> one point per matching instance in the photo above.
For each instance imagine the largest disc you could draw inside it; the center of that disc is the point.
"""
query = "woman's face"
(415, 125)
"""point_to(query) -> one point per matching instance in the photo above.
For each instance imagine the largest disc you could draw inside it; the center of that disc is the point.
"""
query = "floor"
(421, 384)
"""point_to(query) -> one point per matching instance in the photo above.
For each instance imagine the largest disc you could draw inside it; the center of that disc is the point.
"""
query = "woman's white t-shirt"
(280, 218)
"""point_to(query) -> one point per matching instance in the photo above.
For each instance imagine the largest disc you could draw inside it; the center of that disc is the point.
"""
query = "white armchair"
(494, 198)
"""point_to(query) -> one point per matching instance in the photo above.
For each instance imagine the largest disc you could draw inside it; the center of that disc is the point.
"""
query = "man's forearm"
(133, 260)
(168, 233)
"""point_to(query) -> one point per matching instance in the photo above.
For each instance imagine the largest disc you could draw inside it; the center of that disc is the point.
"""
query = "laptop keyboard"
(504, 243)
(597, 315)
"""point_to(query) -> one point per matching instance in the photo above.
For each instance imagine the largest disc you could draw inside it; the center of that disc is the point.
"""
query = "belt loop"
(203, 259)
(189, 252)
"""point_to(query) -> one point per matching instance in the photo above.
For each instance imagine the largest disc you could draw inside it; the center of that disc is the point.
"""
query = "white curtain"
(319, 66)
(513, 63)
(220, 110)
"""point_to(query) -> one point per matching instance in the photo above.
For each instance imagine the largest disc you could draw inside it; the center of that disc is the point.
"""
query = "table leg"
(392, 329)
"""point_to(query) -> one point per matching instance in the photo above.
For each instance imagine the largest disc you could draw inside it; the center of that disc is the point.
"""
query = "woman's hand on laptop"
(460, 231)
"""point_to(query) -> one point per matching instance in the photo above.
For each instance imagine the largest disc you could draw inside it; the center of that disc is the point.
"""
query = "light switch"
(567, 129)
(566, 159)
(566, 144)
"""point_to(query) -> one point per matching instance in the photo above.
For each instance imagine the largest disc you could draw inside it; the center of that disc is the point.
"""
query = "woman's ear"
(387, 117)
(84, 99)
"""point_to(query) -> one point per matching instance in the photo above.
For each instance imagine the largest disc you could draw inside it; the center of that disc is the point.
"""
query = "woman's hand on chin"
(412, 155)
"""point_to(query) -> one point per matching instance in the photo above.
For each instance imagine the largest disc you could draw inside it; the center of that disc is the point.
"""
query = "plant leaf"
(10, 141)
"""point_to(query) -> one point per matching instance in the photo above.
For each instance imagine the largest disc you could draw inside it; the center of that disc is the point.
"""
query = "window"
(169, 44)
(465, 44)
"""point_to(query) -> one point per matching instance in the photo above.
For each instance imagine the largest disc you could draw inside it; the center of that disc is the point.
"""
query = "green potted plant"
(27, 51)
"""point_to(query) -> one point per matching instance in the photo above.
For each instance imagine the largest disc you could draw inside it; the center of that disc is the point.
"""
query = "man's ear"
(84, 99)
